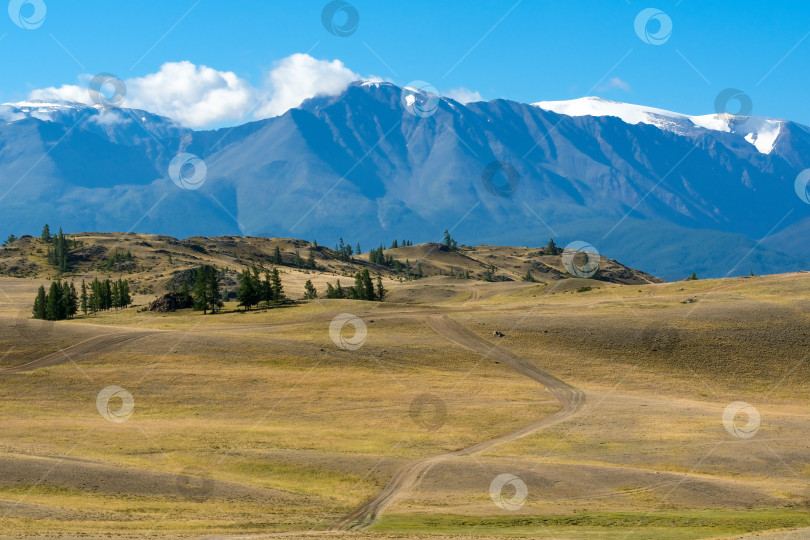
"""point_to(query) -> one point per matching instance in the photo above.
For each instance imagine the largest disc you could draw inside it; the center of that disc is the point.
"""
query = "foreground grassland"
(257, 423)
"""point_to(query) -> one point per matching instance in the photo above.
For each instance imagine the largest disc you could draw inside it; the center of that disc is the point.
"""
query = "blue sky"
(527, 51)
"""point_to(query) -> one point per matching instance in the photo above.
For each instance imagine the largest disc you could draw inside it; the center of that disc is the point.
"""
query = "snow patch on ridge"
(760, 132)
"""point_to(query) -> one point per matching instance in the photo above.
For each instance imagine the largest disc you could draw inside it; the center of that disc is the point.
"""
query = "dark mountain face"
(361, 166)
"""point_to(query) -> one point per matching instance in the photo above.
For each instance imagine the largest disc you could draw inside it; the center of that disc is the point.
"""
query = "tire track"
(408, 476)
(79, 351)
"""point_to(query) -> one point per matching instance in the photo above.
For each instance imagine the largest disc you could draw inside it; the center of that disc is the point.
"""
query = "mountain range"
(664, 192)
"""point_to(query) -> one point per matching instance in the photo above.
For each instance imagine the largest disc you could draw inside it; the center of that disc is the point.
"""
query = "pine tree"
(394, 244)
(84, 305)
(310, 292)
(10, 240)
(311, 260)
(357, 249)
(52, 303)
(46, 234)
(381, 292)
(126, 299)
(276, 287)
(200, 294)
(277, 256)
(73, 304)
(115, 295)
(551, 247)
(297, 260)
(247, 292)
(40, 303)
(529, 276)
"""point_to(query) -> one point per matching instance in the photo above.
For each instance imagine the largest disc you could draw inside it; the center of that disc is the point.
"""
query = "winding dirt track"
(407, 477)
(88, 347)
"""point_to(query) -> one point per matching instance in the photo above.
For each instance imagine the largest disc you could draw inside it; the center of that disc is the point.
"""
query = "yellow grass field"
(259, 424)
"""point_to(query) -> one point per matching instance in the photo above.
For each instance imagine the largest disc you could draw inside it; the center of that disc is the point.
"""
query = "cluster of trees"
(253, 290)
(105, 295)
(59, 254)
(10, 240)
(344, 251)
(298, 262)
(551, 248)
(377, 256)
(404, 243)
(118, 257)
(206, 294)
(363, 288)
(62, 301)
(448, 241)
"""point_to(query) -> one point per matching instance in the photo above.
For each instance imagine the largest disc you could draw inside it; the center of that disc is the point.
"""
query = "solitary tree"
(46, 234)
(310, 292)
(381, 292)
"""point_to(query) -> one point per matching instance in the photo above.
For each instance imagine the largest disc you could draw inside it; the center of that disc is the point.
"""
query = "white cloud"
(66, 92)
(200, 96)
(193, 95)
(298, 77)
(462, 95)
(615, 82)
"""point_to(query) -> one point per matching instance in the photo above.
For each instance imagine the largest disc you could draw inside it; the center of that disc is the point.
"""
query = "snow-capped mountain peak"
(760, 132)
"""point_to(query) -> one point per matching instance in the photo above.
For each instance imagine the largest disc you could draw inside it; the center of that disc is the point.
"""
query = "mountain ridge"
(360, 162)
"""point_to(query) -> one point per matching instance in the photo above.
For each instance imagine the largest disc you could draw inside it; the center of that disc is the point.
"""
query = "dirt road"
(79, 351)
(407, 477)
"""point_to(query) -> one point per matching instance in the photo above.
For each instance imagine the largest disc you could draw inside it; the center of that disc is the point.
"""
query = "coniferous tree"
(394, 244)
(73, 303)
(214, 293)
(357, 249)
(52, 303)
(247, 292)
(10, 240)
(277, 256)
(46, 234)
(126, 298)
(551, 247)
(529, 276)
(84, 305)
(297, 261)
(39, 303)
(310, 292)
(381, 292)
(311, 260)
(115, 296)
(276, 287)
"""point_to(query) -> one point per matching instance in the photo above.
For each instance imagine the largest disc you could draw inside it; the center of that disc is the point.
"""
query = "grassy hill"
(150, 262)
